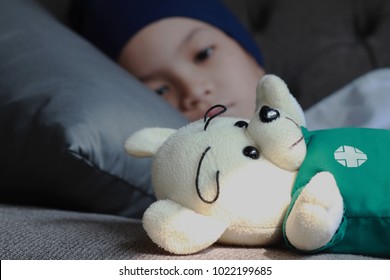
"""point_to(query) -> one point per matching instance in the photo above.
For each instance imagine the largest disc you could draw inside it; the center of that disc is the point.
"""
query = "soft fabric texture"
(364, 102)
(65, 112)
(110, 24)
(315, 56)
(319, 46)
(359, 160)
(210, 183)
(324, 190)
(340, 200)
(30, 233)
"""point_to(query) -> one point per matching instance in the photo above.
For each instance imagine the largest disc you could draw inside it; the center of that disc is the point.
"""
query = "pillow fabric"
(364, 102)
(65, 113)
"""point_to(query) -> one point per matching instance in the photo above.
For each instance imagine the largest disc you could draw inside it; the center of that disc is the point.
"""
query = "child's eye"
(204, 54)
(161, 90)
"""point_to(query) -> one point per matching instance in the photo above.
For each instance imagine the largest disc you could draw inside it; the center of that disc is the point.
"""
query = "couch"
(67, 188)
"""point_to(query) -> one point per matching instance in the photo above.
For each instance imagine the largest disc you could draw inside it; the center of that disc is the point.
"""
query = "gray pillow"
(65, 113)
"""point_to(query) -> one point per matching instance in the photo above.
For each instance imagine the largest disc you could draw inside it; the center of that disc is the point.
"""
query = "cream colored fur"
(209, 190)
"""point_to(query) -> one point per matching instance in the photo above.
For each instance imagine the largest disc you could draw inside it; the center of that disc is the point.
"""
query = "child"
(194, 53)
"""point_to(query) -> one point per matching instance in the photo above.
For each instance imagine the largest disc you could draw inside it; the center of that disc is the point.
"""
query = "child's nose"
(197, 91)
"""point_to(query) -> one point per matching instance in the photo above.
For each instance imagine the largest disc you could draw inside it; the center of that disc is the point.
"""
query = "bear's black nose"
(267, 114)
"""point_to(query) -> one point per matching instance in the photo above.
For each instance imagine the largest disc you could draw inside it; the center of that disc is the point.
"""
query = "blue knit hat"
(109, 24)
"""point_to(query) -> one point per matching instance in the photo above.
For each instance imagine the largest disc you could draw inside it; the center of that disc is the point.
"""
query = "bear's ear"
(273, 91)
(146, 142)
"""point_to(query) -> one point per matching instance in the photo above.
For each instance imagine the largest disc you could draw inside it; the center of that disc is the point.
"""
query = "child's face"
(194, 66)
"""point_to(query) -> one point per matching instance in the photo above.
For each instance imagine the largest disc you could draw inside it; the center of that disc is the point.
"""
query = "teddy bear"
(258, 182)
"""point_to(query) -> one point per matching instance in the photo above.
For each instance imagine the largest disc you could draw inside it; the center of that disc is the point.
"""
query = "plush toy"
(259, 181)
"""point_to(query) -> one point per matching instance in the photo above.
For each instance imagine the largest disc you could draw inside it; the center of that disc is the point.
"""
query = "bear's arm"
(315, 214)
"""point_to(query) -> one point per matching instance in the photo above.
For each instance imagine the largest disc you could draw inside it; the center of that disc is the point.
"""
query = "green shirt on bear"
(359, 159)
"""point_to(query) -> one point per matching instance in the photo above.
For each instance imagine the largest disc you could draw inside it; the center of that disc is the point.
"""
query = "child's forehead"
(162, 42)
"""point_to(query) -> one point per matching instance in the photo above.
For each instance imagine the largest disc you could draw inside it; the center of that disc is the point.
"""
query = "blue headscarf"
(109, 24)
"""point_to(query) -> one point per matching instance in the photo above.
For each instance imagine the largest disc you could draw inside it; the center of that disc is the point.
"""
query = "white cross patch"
(350, 156)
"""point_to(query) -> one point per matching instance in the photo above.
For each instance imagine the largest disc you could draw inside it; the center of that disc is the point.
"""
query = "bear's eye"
(251, 152)
(241, 124)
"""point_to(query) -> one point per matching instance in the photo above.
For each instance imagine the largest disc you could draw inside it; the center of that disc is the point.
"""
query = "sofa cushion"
(33, 233)
(65, 113)
(319, 46)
